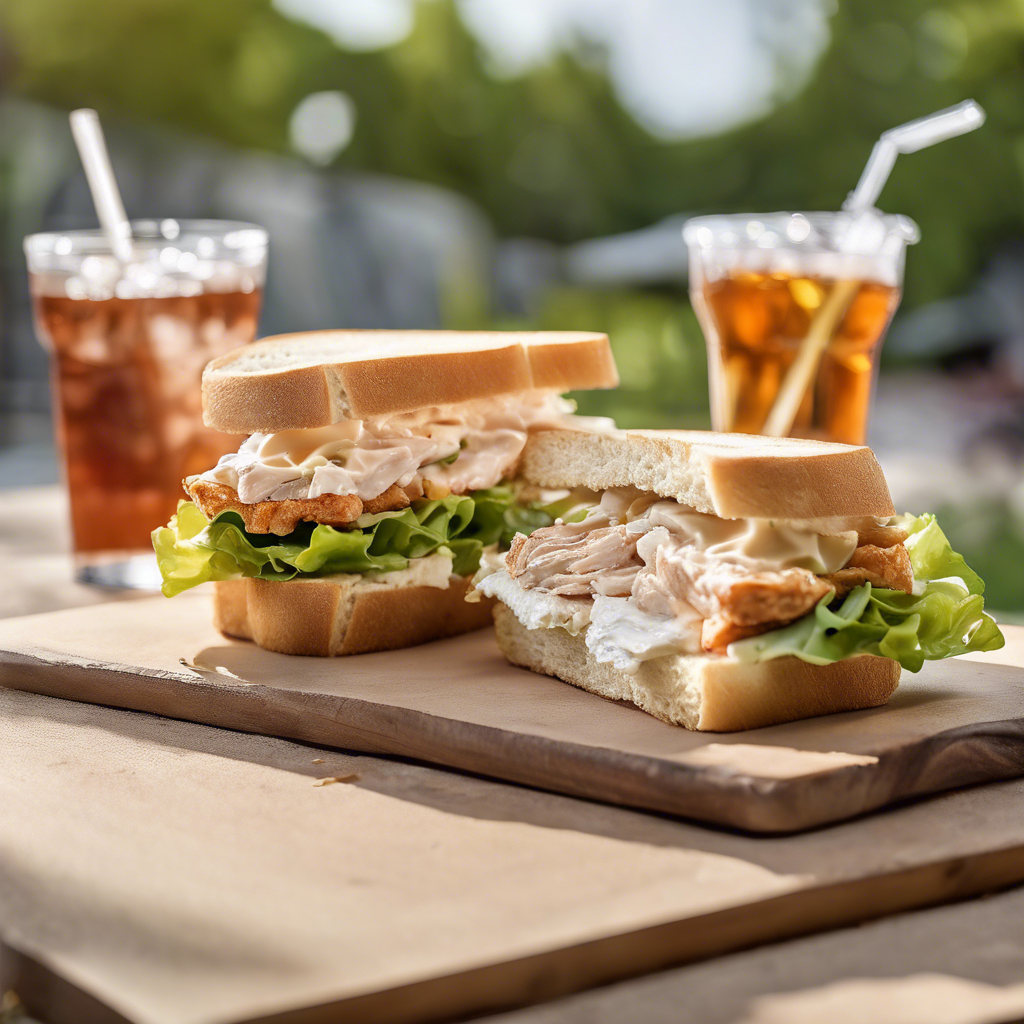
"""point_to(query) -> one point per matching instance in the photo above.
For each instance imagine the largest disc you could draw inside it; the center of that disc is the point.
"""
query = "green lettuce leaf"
(943, 618)
(192, 550)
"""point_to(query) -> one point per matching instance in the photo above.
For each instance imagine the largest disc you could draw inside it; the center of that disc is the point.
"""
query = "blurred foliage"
(990, 536)
(552, 153)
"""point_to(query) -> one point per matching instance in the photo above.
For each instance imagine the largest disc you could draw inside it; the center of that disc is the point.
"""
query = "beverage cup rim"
(749, 230)
(149, 229)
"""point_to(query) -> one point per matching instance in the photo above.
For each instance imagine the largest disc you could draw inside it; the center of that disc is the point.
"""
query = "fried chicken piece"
(282, 517)
(887, 567)
(882, 536)
(745, 605)
(749, 598)
(734, 600)
(718, 632)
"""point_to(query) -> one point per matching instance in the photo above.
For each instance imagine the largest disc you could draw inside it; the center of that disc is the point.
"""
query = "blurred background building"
(530, 163)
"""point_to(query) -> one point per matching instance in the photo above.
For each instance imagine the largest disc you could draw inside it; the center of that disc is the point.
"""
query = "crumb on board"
(317, 760)
(353, 777)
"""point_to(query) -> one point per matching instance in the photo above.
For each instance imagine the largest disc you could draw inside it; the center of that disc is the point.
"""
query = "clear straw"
(909, 138)
(92, 148)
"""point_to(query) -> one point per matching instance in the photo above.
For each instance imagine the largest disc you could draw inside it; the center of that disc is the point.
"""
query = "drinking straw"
(905, 138)
(909, 138)
(804, 367)
(92, 148)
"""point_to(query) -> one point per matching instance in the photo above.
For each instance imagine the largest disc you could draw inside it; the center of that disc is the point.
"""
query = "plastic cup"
(128, 342)
(794, 309)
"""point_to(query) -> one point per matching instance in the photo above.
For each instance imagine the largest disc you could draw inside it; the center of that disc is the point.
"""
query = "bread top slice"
(317, 378)
(733, 476)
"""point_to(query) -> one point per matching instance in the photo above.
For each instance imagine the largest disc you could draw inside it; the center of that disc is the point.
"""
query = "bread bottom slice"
(705, 692)
(345, 615)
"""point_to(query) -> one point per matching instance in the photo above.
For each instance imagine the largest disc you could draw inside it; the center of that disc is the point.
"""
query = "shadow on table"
(930, 826)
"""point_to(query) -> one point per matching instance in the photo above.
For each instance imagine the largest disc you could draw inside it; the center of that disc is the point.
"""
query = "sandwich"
(727, 581)
(378, 466)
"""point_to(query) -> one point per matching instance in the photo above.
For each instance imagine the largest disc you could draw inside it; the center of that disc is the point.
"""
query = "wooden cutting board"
(458, 703)
(161, 872)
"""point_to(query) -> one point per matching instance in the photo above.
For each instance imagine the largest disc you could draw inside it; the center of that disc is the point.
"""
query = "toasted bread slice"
(321, 377)
(734, 476)
(704, 692)
(343, 615)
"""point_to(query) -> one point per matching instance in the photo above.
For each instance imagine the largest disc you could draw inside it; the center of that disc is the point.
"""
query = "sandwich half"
(378, 467)
(727, 581)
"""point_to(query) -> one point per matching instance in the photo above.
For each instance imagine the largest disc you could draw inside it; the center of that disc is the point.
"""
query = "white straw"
(909, 138)
(85, 127)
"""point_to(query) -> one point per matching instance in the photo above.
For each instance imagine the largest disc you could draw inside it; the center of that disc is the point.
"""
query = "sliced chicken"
(743, 595)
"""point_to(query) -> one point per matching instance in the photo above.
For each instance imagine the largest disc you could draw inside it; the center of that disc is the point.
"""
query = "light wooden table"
(961, 964)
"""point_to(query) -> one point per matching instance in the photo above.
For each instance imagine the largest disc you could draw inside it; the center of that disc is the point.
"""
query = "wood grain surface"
(458, 703)
(959, 964)
(161, 872)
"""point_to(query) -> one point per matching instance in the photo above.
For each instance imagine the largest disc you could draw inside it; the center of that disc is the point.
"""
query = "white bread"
(734, 476)
(705, 692)
(321, 377)
(327, 616)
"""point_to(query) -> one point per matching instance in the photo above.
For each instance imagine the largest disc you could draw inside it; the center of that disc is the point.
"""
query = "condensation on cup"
(128, 343)
(794, 308)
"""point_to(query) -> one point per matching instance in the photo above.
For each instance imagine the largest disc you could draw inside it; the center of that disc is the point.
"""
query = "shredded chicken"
(282, 517)
(575, 559)
(666, 574)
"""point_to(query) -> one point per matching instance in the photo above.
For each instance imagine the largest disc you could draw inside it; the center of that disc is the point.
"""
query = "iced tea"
(126, 391)
(128, 343)
(794, 308)
(761, 321)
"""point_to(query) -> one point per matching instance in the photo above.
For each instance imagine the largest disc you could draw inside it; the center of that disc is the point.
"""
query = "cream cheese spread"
(533, 608)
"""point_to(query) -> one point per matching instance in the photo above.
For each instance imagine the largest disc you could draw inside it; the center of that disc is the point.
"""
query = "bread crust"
(708, 693)
(734, 476)
(566, 361)
(230, 615)
(274, 385)
(343, 615)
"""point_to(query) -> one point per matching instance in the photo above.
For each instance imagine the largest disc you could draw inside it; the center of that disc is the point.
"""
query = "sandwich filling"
(644, 577)
(442, 450)
(366, 496)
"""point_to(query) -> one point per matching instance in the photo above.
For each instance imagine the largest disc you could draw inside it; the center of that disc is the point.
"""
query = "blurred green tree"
(552, 153)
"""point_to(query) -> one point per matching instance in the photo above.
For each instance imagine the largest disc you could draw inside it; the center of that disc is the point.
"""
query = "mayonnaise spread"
(463, 447)
(818, 545)
(433, 570)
